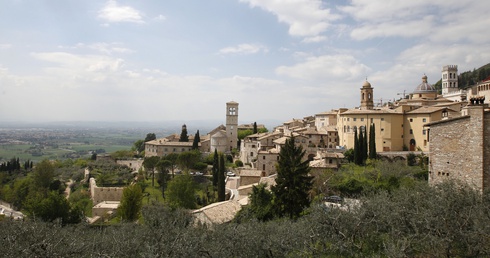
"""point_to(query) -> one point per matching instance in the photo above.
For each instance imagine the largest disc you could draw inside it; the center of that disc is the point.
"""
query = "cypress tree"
(183, 135)
(255, 128)
(215, 168)
(360, 143)
(357, 151)
(293, 183)
(197, 139)
(364, 145)
(372, 142)
(221, 178)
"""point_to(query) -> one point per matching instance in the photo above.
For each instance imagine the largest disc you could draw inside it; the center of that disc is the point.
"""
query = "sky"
(149, 60)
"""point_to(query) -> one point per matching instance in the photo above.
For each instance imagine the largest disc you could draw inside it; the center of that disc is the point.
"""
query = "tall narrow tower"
(367, 96)
(232, 124)
(449, 79)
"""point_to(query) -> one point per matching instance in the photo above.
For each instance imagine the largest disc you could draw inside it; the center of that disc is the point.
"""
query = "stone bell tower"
(232, 125)
(367, 96)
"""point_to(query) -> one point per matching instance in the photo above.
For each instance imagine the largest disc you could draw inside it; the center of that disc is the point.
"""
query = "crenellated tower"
(449, 79)
(232, 125)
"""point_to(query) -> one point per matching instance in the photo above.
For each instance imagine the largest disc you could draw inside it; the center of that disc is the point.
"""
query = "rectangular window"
(382, 119)
(382, 129)
(355, 119)
(251, 154)
(372, 120)
(330, 161)
(411, 119)
(411, 131)
(424, 120)
(424, 132)
(263, 166)
(362, 119)
(263, 157)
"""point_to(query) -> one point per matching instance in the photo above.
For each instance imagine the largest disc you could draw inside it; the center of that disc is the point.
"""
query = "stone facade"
(133, 164)
(163, 147)
(460, 149)
(266, 162)
(101, 194)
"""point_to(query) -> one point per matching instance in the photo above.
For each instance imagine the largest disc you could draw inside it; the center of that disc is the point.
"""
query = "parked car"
(334, 199)
(229, 173)
(199, 173)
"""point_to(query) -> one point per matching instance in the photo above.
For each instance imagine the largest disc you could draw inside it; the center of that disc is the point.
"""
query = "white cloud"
(5, 46)
(113, 12)
(106, 48)
(416, 28)
(160, 17)
(327, 67)
(315, 39)
(244, 49)
(306, 18)
(438, 20)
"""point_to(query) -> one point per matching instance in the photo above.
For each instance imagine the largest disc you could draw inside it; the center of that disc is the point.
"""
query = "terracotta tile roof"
(268, 135)
(374, 111)
(250, 172)
(167, 143)
(269, 181)
(428, 110)
(217, 213)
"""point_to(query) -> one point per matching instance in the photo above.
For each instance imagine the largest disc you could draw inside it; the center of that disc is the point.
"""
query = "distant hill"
(468, 78)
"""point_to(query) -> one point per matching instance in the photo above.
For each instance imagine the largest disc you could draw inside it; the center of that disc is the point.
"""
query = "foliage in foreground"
(443, 221)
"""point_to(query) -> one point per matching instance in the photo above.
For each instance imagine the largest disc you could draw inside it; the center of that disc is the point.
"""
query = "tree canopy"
(293, 184)
(131, 203)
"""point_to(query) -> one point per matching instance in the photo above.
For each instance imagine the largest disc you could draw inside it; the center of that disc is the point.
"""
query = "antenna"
(402, 93)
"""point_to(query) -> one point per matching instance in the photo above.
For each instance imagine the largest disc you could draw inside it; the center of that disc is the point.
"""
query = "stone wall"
(133, 164)
(100, 194)
(457, 149)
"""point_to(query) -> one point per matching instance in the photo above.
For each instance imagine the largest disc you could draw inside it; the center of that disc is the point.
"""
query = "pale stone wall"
(100, 194)
(486, 151)
(133, 164)
(389, 129)
(266, 161)
(248, 180)
(459, 149)
(246, 189)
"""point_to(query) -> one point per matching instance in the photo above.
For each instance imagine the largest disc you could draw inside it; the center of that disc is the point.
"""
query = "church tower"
(232, 125)
(449, 79)
(367, 96)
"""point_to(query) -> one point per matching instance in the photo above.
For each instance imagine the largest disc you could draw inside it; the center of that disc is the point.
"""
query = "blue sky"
(115, 60)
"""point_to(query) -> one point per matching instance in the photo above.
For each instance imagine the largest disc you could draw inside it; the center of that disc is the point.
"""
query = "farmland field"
(36, 144)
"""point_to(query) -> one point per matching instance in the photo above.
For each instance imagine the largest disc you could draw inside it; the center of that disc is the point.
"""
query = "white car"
(229, 173)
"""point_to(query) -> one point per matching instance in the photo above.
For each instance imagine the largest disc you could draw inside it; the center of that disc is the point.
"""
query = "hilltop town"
(444, 131)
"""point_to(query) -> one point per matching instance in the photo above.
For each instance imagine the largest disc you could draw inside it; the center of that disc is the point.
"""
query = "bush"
(238, 163)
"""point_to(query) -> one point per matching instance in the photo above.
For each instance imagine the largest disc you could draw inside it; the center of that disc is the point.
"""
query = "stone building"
(460, 147)
(223, 138)
(398, 127)
(231, 125)
(163, 147)
(450, 88)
